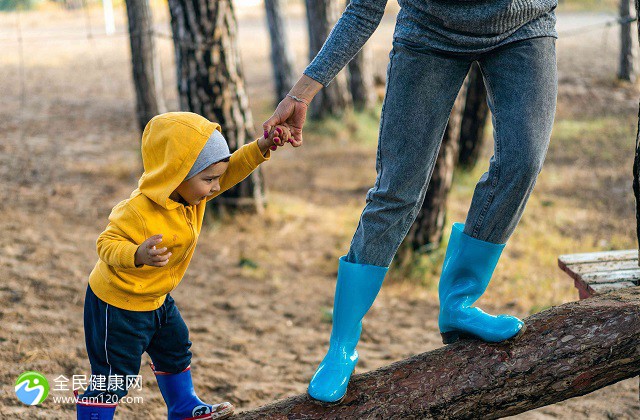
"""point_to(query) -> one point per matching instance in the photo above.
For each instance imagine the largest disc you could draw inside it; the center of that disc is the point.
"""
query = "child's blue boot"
(182, 401)
(468, 266)
(86, 410)
(356, 289)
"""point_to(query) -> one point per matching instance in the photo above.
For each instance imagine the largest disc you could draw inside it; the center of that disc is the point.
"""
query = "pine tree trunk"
(567, 351)
(636, 184)
(627, 69)
(474, 120)
(361, 81)
(210, 81)
(427, 230)
(335, 98)
(636, 161)
(281, 52)
(147, 76)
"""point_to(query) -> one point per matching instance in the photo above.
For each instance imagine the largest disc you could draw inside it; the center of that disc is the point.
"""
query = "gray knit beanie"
(215, 150)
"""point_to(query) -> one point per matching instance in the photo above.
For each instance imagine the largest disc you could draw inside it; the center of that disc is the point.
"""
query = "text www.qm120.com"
(127, 399)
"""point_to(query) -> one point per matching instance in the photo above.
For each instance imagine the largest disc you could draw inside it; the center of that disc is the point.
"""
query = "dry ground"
(69, 152)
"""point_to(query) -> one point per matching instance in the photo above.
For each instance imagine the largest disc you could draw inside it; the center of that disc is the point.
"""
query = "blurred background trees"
(211, 82)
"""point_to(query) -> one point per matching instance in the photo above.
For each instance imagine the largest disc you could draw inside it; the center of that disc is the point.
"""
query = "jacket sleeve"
(355, 26)
(118, 244)
(242, 162)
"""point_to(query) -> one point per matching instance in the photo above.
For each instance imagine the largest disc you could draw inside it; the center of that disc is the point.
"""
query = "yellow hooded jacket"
(171, 143)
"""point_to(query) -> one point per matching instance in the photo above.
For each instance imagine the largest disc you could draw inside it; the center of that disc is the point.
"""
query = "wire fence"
(159, 31)
(90, 34)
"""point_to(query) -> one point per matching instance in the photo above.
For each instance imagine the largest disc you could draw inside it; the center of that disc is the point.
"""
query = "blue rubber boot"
(182, 401)
(87, 410)
(356, 289)
(466, 272)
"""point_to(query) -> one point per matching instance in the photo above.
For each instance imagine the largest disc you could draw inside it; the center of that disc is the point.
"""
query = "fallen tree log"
(567, 351)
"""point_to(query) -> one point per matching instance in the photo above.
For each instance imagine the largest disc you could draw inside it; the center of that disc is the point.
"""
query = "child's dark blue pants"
(116, 339)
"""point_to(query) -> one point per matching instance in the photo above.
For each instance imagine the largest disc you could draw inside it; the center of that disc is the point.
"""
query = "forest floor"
(259, 288)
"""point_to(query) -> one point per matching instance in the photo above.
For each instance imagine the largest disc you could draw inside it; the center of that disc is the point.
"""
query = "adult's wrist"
(305, 88)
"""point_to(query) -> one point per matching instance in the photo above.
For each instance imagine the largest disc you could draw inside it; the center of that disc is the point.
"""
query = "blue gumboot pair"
(182, 401)
(468, 266)
(467, 270)
(356, 289)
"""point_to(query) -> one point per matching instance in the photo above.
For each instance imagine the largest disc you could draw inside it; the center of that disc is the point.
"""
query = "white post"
(109, 22)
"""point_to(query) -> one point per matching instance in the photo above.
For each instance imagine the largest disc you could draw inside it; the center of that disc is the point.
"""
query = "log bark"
(147, 76)
(335, 98)
(474, 120)
(281, 51)
(211, 83)
(567, 351)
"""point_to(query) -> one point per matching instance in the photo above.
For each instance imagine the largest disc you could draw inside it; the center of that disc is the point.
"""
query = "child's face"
(202, 185)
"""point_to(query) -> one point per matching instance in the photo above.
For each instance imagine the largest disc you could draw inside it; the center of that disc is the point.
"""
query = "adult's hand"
(292, 113)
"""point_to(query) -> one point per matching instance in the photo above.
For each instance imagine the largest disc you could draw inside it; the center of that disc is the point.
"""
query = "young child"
(144, 253)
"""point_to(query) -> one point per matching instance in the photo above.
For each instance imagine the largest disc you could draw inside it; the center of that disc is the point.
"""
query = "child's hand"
(278, 136)
(147, 253)
(281, 135)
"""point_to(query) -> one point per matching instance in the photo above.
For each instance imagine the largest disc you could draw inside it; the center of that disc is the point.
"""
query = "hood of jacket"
(171, 143)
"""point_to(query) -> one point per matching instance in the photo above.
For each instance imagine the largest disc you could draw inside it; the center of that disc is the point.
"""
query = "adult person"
(434, 44)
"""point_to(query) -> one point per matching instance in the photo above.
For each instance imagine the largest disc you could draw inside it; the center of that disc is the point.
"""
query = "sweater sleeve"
(117, 245)
(242, 162)
(355, 26)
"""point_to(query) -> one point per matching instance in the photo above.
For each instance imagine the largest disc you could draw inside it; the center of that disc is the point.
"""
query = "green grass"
(353, 126)
(558, 219)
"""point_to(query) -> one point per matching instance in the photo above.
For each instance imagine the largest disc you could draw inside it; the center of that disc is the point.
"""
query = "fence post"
(109, 22)
(627, 70)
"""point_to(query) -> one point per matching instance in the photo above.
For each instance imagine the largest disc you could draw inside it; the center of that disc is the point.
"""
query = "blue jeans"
(422, 85)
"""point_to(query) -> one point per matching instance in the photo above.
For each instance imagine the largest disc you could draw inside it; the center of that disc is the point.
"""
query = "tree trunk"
(636, 184)
(567, 351)
(427, 230)
(147, 76)
(73, 4)
(210, 81)
(281, 52)
(636, 161)
(333, 99)
(361, 81)
(474, 119)
(627, 69)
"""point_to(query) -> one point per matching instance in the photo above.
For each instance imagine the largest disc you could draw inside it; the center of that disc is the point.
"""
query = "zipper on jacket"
(193, 243)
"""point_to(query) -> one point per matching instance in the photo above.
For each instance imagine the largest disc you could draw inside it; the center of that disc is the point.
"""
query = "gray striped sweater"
(449, 25)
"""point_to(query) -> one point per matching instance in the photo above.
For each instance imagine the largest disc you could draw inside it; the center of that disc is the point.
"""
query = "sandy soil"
(68, 153)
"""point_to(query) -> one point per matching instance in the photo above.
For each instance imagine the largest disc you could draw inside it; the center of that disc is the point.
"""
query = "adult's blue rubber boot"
(182, 401)
(86, 410)
(356, 290)
(468, 266)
